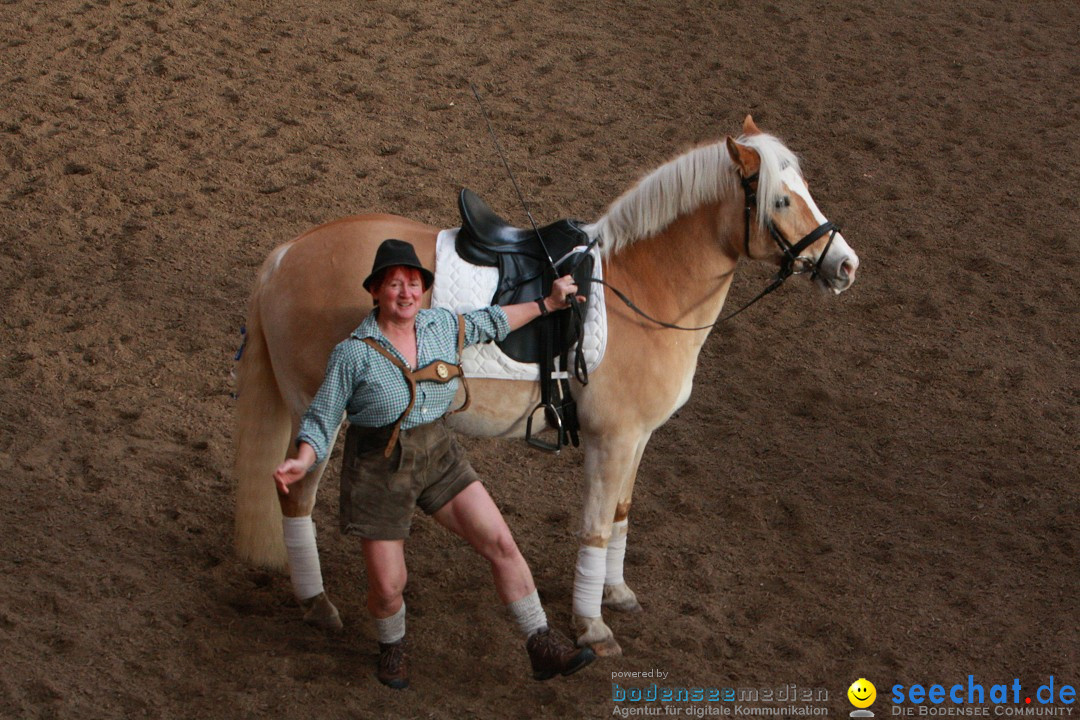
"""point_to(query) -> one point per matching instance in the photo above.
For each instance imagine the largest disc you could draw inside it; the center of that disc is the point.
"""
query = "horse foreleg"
(608, 462)
(305, 570)
(617, 594)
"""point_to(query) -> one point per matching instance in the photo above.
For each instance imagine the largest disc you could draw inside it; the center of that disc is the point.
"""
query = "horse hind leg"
(272, 530)
(262, 439)
(305, 570)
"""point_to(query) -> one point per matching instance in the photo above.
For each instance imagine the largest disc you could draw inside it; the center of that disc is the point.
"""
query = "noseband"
(792, 263)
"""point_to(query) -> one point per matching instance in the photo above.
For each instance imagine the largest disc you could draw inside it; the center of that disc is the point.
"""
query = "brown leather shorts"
(378, 494)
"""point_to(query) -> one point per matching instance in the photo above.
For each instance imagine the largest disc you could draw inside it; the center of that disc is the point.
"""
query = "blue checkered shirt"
(367, 388)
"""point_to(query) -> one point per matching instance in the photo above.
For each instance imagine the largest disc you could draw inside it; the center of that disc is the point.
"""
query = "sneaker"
(551, 653)
(393, 665)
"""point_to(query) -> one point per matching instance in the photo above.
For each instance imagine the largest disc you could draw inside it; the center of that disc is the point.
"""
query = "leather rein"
(793, 263)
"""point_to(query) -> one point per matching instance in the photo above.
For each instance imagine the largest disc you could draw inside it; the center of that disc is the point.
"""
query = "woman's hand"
(561, 291)
(294, 469)
(522, 313)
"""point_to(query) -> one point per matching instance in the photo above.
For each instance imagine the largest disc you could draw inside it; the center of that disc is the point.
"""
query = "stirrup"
(542, 444)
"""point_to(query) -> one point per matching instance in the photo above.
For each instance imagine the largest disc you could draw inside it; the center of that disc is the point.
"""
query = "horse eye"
(783, 203)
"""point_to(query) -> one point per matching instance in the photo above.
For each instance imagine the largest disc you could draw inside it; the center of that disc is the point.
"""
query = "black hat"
(397, 252)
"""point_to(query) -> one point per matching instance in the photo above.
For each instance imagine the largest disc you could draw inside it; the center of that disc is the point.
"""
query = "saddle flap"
(526, 343)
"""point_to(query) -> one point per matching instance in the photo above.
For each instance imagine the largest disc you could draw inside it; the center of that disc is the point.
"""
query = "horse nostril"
(847, 269)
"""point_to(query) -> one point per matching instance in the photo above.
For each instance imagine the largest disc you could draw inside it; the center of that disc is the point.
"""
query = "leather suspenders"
(438, 371)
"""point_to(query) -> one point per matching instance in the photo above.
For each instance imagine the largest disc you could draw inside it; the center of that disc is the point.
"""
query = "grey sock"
(529, 614)
(390, 630)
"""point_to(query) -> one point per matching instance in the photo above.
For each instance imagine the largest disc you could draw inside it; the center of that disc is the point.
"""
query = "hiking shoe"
(393, 665)
(551, 653)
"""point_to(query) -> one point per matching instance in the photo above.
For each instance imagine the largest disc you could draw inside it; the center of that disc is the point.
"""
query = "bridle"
(792, 263)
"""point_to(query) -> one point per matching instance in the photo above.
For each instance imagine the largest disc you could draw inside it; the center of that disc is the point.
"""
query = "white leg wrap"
(616, 553)
(589, 581)
(303, 556)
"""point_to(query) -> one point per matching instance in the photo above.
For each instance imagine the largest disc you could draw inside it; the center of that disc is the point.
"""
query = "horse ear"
(745, 158)
(749, 127)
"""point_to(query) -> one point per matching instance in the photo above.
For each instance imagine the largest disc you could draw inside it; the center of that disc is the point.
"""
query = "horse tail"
(263, 429)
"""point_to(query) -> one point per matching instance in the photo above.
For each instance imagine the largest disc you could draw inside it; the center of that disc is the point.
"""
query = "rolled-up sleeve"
(320, 423)
(486, 324)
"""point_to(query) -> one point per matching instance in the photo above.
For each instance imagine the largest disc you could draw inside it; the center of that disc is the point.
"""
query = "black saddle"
(524, 258)
(484, 236)
(525, 272)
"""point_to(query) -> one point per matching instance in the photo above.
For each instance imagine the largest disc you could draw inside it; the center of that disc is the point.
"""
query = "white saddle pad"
(461, 287)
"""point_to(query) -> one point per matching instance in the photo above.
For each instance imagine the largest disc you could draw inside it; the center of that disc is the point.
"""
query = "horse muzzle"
(838, 267)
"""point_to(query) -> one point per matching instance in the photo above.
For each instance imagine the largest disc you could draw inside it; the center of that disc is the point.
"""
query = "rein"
(792, 264)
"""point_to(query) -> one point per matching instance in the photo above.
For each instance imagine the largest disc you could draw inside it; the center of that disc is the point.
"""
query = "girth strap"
(438, 371)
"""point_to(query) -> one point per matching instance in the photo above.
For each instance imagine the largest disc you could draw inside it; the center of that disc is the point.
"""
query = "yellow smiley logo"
(441, 371)
(862, 693)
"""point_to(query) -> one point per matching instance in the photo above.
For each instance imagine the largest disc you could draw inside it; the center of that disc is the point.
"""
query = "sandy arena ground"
(879, 485)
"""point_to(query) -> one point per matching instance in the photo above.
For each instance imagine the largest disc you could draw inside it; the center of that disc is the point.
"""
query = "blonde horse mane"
(695, 178)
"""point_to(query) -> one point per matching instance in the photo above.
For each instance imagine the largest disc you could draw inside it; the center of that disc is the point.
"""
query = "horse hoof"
(624, 606)
(593, 633)
(621, 599)
(606, 648)
(321, 613)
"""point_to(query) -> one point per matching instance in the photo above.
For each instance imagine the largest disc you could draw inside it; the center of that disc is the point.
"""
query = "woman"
(394, 377)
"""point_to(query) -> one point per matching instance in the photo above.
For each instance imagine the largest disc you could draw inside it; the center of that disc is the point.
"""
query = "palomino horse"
(671, 244)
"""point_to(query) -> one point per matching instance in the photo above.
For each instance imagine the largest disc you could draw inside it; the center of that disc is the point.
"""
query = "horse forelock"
(775, 158)
(700, 176)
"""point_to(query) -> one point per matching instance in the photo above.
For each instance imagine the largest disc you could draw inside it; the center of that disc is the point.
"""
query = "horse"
(671, 243)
